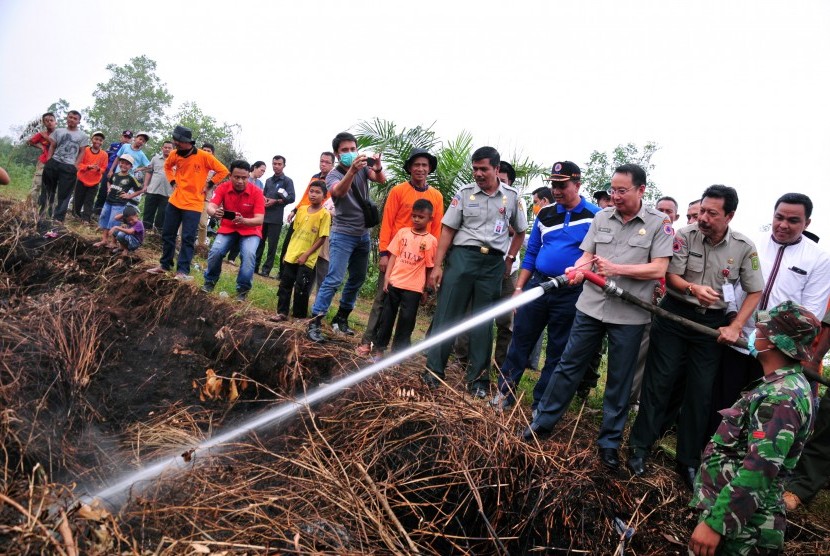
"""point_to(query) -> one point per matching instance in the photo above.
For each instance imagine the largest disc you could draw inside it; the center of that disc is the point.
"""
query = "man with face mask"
(553, 246)
(349, 243)
(709, 259)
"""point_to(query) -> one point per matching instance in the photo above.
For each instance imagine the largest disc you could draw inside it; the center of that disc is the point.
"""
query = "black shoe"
(637, 465)
(242, 296)
(341, 325)
(610, 458)
(208, 287)
(535, 430)
(687, 474)
(430, 380)
(315, 332)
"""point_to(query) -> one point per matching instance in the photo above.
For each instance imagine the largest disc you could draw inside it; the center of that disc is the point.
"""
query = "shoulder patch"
(756, 263)
(668, 230)
(667, 220)
(758, 435)
(455, 200)
(677, 245)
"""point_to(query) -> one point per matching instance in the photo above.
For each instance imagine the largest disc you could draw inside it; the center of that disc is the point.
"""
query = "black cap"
(564, 171)
(433, 162)
(599, 195)
(183, 134)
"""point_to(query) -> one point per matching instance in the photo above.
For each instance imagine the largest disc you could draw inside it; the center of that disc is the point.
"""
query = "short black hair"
(257, 164)
(797, 199)
(279, 157)
(728, 194)
(321, 184)
(637, 173)
(242, 164)
(75, 112)
(328, 154)
(208, 146)
(544, 193)
(696, 201)
(128, 211)
(487, 153)
(47, 114)
(423, 205)
(168, 142)
(667, 198)
(508, 169)
(340, 138)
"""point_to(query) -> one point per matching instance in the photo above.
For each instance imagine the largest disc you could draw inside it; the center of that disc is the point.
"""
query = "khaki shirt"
(699, 262)
(482, 220)
(642, 239)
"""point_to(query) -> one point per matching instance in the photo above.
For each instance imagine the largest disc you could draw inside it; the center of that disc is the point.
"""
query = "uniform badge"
(472, 197)
(504, 199)
(730, 260)
(759, 435)
(668, 230)
(642, 231)
(676, 245)
(454, 202)
(756, 264)
(501, 210)
(557, 167)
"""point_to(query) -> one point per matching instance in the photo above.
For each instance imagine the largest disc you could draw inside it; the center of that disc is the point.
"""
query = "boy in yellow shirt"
(310, 228)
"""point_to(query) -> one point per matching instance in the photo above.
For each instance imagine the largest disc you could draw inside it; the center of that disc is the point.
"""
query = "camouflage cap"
(791, 328)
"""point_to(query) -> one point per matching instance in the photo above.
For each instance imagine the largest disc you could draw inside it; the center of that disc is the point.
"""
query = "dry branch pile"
(102, 371)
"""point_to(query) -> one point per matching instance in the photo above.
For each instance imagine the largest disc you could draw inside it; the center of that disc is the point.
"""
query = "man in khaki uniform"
(632, 244)
(709, 259)
(475, 226)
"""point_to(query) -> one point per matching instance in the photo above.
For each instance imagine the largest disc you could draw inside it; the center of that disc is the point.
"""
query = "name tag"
(693, 254)
(729, 293)
(499, 227)
(607, 230)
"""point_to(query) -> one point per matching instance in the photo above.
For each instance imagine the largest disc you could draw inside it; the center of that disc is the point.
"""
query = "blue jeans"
(345, 253)
(554, 310)
(108, 213)
(223, 243)
(127, 240)
(583, 343)
(189, 221)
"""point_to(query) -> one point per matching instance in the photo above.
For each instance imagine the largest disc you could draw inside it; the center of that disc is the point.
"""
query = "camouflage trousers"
(764, 534)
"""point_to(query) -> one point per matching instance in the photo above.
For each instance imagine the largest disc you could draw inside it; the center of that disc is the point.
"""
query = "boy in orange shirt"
(91, 168)
(411, 259)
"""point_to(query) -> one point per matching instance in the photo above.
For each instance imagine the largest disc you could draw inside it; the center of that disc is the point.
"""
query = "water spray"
(113, 492)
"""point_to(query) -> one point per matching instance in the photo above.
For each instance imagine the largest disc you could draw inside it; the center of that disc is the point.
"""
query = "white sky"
(734, 92)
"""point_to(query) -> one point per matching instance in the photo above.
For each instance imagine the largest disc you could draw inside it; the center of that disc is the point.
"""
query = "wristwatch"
(511, 257)
(690, 290)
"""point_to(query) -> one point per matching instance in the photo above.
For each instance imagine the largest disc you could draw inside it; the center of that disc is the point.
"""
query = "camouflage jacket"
(760, 437)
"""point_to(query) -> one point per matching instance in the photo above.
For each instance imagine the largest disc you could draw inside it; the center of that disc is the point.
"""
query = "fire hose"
(611, 288)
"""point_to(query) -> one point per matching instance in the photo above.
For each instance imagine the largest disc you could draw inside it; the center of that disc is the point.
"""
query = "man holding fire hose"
(709, 259)
(633, 244)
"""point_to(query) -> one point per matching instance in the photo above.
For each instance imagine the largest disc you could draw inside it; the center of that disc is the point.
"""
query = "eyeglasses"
(620, 192)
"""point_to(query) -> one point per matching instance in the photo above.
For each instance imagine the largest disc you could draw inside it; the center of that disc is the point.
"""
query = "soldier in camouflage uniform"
(739, 486)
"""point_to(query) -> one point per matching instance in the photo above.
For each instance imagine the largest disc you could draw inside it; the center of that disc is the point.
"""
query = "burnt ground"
(106, 368)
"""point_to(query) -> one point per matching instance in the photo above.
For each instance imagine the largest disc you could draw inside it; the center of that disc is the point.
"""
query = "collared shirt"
(248, 202)
(799, 272)
(556, 236)
(158, 180)
(397, 211)
(481, 220)
(744, 465)
(732, 260)
(647, 236)
(278, 187)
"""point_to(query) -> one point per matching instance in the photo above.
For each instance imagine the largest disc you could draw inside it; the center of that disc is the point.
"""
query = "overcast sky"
(734, 92)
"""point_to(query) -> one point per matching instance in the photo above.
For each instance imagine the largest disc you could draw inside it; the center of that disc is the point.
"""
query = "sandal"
(157, 270)
(364, 350)
(278, 318)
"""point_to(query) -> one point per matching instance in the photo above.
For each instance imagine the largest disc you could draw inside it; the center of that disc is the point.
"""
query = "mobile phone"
(370, 162)
(229, 215)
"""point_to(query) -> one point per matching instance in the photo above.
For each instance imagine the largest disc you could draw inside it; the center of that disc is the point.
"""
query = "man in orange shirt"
(187, 172)
(91, 168)
(397, 214)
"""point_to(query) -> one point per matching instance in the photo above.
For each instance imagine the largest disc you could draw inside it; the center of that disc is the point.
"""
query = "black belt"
(483, 250)
(697, 308)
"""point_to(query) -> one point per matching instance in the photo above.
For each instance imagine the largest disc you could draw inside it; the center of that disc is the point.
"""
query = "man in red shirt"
(240, 205)
(41, 141)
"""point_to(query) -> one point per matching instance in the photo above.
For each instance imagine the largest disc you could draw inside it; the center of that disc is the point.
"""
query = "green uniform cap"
(791, 327)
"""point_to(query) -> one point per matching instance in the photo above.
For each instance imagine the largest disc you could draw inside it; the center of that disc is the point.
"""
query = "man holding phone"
(241, 207)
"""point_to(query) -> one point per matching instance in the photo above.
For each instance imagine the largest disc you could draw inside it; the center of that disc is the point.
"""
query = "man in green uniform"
(740, 485)
(813, 469)
(709, 258)
(478, 251)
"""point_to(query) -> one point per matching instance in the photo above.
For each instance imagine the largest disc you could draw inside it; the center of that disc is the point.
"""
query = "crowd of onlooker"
(720, 362)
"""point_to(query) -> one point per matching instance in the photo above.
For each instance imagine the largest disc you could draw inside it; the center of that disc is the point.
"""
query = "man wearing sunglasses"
(631, 244)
